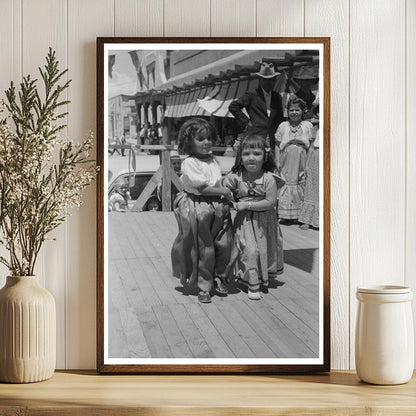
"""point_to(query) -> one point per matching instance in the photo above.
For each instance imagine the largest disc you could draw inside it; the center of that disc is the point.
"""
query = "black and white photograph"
(213, 209)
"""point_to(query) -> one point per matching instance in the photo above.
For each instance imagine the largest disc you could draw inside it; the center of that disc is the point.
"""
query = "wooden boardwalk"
(151, 316)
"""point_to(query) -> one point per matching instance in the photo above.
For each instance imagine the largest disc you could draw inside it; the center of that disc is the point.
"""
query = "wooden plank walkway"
(151, 316)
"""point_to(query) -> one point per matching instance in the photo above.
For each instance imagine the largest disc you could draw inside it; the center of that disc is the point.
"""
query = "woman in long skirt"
(309, 214)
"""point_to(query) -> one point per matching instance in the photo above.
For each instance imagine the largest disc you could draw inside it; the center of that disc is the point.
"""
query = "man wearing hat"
(264, 106)
(304, 78)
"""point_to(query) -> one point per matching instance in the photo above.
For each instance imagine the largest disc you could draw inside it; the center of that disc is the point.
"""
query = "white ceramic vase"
(27, 331)
(384, 338)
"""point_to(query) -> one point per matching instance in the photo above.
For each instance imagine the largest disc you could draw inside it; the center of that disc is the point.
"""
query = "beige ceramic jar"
(384, 341)
(27, 331)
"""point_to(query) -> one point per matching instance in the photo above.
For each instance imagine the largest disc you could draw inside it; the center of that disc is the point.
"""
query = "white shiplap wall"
(373, 125)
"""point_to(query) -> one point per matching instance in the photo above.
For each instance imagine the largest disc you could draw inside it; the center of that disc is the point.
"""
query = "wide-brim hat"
(267, 70)
(306, 72)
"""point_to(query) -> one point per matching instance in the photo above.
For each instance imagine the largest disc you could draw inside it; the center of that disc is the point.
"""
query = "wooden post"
(146, 115)
(169, 124)
(153, 107)
(165, 130)
(166, 182)
(139, 116)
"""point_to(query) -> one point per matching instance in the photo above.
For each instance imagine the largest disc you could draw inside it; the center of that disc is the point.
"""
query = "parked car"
(146, 166)
(118, 173)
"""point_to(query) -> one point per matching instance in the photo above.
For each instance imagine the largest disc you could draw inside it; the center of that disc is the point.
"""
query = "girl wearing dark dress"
(201, 252)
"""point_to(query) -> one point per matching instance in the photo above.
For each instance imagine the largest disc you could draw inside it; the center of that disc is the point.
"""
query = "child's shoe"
(253, 295)
(220, 287)
(204, 297)
(265, 287)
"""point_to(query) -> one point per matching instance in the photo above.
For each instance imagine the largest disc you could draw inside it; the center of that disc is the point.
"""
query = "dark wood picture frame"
(175, 368)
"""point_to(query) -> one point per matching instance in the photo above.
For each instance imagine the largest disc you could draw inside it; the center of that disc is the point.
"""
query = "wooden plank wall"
(373, 125)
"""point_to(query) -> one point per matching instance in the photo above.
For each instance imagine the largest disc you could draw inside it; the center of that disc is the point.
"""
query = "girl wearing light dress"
(201, 252)
(258, 242)
(309, 213)
(293, 139)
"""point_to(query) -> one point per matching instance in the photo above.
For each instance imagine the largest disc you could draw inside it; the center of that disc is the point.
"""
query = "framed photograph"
(213, 205)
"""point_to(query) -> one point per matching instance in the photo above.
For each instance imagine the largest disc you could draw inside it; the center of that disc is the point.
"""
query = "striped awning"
(185, 103)
(209, 90)
(217, 104)
(206, 100)
(214, 99)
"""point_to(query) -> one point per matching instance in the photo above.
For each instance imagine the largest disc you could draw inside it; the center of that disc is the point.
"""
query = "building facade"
(122, 117)
(178, 84)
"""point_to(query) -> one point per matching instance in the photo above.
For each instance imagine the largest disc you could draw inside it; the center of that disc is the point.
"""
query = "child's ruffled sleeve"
(279, 134)
(230, 181)
(193, 174)
(308, 133)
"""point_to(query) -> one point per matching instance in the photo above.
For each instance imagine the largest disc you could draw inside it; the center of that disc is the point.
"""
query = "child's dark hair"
(296, 101)
(254, 142)
(193, 128)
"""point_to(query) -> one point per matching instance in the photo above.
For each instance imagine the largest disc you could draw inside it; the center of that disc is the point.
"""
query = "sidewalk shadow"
(300, 258)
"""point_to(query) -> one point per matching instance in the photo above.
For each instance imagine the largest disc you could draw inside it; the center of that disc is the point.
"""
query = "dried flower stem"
(37, 194)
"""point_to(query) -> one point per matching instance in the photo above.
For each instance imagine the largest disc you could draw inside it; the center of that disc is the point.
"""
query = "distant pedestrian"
(123, 142)
(257, 236)
(201, 251)
(229, 150)
(159, 132)
(143, 135)
(304, 78)
(116, 143)
(154, 139)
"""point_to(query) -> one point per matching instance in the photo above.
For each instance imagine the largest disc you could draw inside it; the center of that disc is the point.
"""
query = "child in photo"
(201, 251)
(293, 139)
(119, 199)
(258, 241)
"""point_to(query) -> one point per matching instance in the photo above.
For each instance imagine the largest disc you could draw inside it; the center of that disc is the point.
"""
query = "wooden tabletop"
(86, 393)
